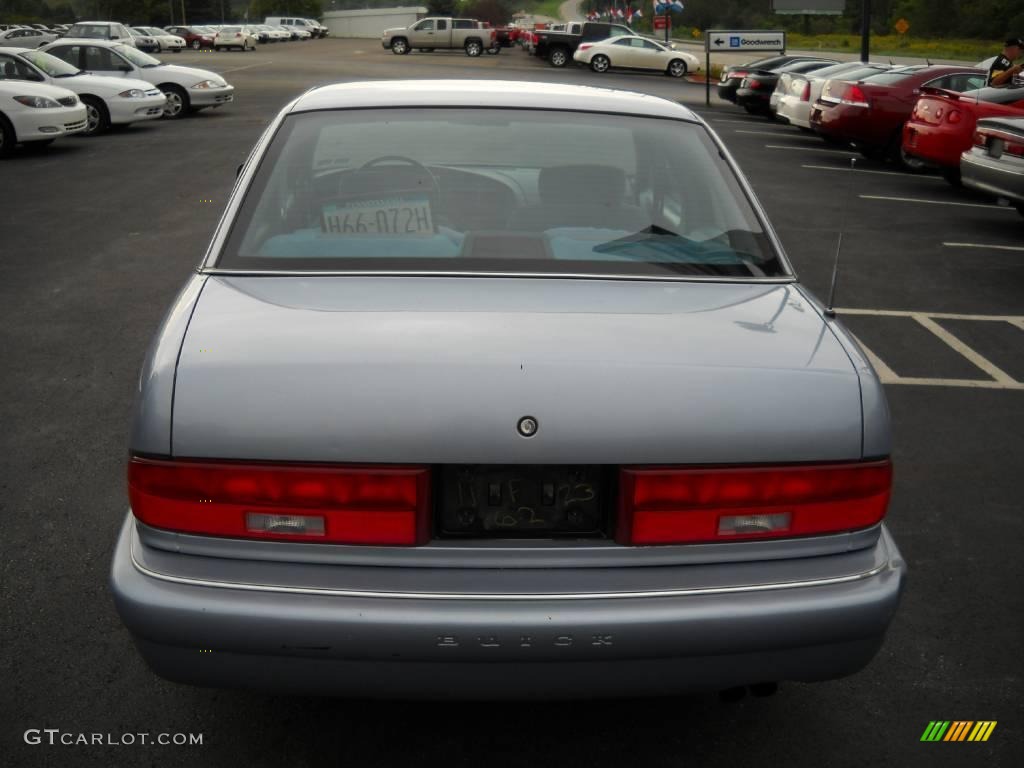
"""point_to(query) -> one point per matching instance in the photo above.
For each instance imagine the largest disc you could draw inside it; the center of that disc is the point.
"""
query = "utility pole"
(865, 30)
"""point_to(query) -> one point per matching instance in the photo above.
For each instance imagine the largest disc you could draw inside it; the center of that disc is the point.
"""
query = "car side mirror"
(124, 68)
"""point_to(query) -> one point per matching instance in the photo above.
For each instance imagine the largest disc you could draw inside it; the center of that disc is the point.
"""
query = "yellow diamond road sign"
(902, 26)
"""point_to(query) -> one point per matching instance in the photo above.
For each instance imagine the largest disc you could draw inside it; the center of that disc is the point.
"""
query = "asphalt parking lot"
(96, 237)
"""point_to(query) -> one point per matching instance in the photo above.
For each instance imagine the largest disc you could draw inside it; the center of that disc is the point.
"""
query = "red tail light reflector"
(954, 116)
(806, 95)
(753, 84)
(585, 46)
(1014, 148)
(685, 505)
(853, 95)
(385, 505)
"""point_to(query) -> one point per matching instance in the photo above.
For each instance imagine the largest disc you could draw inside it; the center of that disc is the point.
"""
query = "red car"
(941, 127)
(194, 38)
(870, 113)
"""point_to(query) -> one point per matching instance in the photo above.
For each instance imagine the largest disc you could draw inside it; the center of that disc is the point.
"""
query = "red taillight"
(753, 84)
(739, 73)
(854, 95)
(806, 95)
(585, 46)
(290, 502)
(980, 139)
(1014, 148)
(673, 506)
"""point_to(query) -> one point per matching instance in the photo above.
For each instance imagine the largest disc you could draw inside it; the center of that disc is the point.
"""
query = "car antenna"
(830, 311)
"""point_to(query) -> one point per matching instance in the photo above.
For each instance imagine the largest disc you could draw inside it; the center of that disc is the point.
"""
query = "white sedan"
(234, 37)
(25, 38)
(164, 39)
(108, 100)
(187, 89)
(635, 52)
(36, 114)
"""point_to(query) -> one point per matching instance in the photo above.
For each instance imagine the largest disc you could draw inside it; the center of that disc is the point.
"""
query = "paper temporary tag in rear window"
(394, 217)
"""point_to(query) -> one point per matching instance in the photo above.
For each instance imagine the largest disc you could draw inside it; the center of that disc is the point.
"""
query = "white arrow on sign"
(746, 40)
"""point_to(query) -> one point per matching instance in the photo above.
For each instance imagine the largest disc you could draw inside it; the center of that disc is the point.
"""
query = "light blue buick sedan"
(502, 390)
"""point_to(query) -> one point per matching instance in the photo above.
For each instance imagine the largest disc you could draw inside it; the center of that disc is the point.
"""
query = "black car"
(732, 76)
(755, 91)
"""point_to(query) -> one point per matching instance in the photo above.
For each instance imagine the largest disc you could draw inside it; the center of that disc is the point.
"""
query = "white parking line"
(997, 373)
(999, 378)
(936, 315)
(885, 374)
(935, 202)
(812, 149)
(985, 246)
(247, 66)
(865, 170)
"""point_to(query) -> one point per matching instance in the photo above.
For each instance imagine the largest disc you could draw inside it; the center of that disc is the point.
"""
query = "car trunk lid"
(441, 370)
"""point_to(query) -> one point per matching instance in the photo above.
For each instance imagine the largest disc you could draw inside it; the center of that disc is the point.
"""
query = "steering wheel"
(434, 193)
(385, 159)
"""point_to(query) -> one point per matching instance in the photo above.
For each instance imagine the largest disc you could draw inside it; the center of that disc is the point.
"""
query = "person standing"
(1003, 68)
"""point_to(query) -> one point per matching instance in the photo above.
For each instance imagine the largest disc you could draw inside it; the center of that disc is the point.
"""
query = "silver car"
(491, 389)
(995, 164)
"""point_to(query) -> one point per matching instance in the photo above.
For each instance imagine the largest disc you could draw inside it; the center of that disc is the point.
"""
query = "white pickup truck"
(428, 34)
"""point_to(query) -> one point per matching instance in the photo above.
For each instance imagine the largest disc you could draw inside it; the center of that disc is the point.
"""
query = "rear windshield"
(853, 75)
(511, 191)
(892, 76)
(804, 66)
(848, 67)
(90, 31)
(999, 95)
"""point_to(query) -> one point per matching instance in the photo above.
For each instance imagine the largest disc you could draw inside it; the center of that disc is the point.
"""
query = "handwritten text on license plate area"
(401, 218)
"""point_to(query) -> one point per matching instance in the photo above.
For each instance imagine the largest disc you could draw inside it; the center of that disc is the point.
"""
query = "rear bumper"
(471, 646)
(753, 99)
(1001, 179)
(727, 91)
(937, 146)
(847, 123)
(794, 111)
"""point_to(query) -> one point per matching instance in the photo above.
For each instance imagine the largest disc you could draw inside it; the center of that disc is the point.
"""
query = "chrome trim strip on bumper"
(682, 592)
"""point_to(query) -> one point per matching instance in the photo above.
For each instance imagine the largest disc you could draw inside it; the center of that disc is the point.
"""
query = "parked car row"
(602, 47)
(923, 117)
(172, 38)
(85, 86)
